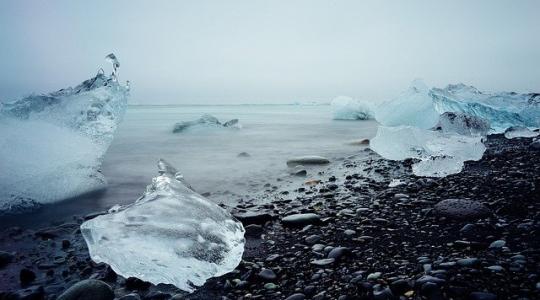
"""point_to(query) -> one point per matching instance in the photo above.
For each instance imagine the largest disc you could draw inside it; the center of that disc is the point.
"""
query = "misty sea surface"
(208, 157)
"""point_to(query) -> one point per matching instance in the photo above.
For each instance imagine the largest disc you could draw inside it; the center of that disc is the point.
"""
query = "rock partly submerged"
(307, 160)
(170, 235)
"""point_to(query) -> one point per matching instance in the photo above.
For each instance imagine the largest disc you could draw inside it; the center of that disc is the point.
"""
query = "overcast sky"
(269, 51)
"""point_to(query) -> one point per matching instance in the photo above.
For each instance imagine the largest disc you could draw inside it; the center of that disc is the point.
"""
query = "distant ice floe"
(205, 121)
(52, 145)
(347, 108)
(170, 235)
(443, 128)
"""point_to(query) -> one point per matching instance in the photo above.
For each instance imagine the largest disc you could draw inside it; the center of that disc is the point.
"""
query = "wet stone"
(89, 289)
(461, 209)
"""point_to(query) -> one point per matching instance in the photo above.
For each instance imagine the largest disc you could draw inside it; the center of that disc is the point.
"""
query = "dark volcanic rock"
(267, 274)
(461, 209)
(535, 145)
(26, 276)
(5, 258)
(89, 289)
(482, 296)
(301, 219)
(338, 253)
(297, 296)
(253, 217)
(243, 154)
(133, 283)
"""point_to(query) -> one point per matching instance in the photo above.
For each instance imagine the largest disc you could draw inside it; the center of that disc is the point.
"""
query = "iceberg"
(438, 153)
(170, 235)
(420, 106)
(52, 145)
(205, 121)
(502, 110)
(346, 108)
(413, 107)
(461, 123)
(519, 131)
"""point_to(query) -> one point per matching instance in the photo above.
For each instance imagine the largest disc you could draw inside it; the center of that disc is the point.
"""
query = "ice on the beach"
(347, 108)
(170, 235)
(502, 110)
(205, 121)
(420, 106)
(439, 154)
(460, 123)
(414, 107)
(519, 131)
(52, 145)
(396, 182)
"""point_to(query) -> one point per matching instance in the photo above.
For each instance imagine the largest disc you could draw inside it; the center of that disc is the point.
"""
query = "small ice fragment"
(396, 182)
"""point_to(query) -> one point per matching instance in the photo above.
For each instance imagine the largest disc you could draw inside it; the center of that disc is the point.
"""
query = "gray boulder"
(301, 219)
(89, 289)
(307, 160)
(461, 209)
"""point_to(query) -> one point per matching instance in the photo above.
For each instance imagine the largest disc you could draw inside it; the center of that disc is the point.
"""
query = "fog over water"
(178, 52)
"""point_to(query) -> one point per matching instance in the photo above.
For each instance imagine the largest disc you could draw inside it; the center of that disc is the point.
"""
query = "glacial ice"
(205, 121)
(413, 107)
(502, 110)
(52, 145)
(170, 235)
(346, 108)
(439, 154)
(459, 117)
(519, 131)
(461, 123)
(420, 106)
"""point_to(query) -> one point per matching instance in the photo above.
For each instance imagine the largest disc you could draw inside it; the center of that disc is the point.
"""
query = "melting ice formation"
(420, 106)
(170, 235)
(440, 154)
(443, 128)
(206, 121)
(51, 145)
(346, 108)
(460, 123)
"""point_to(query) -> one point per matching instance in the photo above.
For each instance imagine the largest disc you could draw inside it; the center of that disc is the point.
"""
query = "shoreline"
(372, 241)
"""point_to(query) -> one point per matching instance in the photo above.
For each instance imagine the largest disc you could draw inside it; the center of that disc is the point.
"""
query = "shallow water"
(208, 157)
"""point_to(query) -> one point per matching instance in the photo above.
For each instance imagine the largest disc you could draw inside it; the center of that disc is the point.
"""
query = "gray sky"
(269, 51)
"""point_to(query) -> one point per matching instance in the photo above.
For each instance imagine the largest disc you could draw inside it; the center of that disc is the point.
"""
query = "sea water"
(208, 157)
